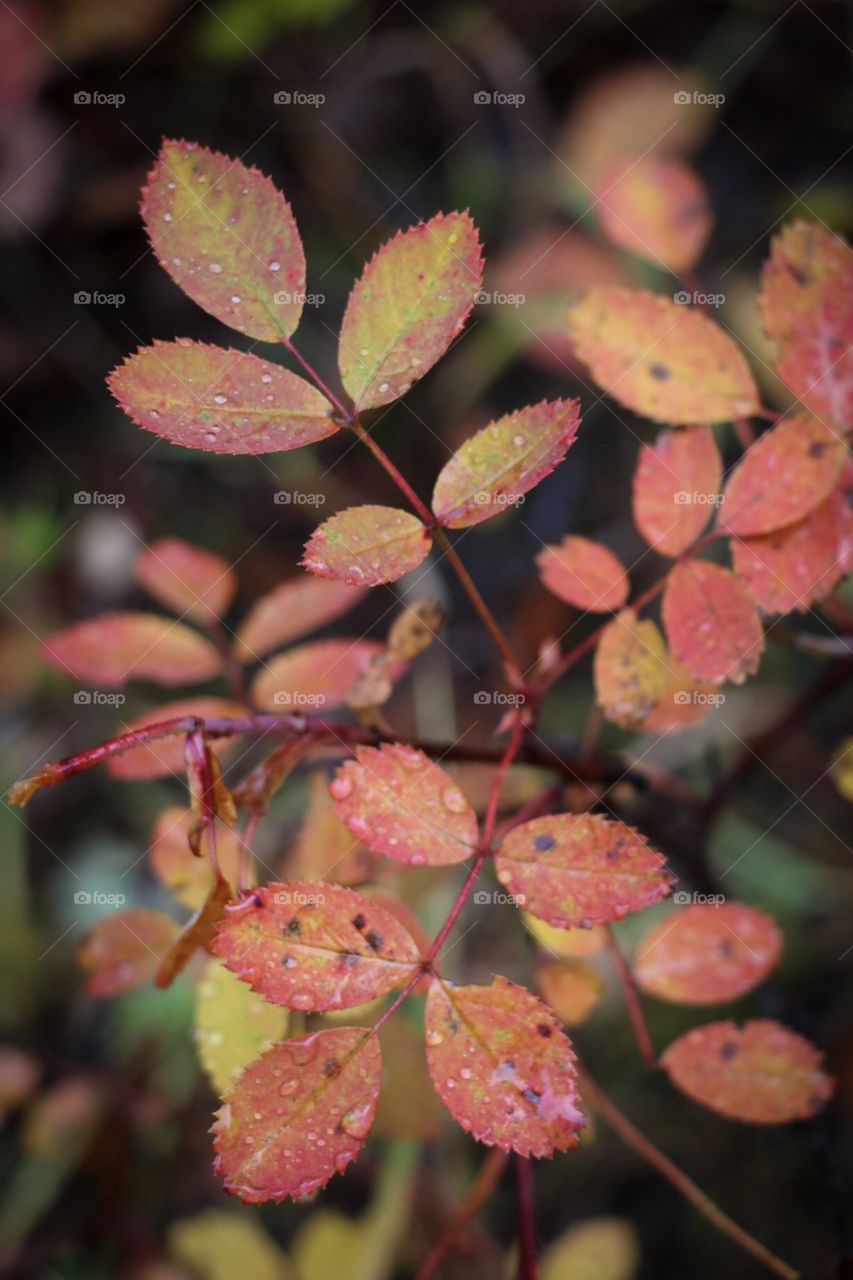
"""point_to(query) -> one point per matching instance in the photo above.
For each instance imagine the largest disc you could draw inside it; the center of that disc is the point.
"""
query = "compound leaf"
(676, 484)
(658, 209)
(290, 610)
(233, 1025)
(366, 546)
(123, 950)
(580, 869)
(117, 647)
(187, 579)
(584, 573)
(399, 803)
(704, 953)
(411, 301)
(711, 622)
(502, 1067)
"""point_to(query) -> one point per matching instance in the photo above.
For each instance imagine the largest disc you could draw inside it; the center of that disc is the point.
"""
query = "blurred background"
(370, 117)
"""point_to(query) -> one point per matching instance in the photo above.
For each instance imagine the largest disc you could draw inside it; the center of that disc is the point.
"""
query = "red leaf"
(760, 1073)
(219, 400)
(584, 573)
(656, 208)
(298, 1114)
(675, 488)
(411, 301)
(187, 579)
(366, 546)
(122, 951)
(227, 237)
(580, 869)
(166, 756)
(782, 477)
(664, 360)
(796, 566)
(116, 647)
(704, 954)
(505, 460)
(173, 862)
(290, 610)
(502, 1067)
(315, 676)
(400, 803)
(711, 622)
(315, 946)
(806, 304)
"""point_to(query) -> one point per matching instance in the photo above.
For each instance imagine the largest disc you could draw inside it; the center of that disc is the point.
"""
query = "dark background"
(398, 137)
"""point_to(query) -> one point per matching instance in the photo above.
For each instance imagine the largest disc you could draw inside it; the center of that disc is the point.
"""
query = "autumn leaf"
(291, 610)
(412, 299)
(227, 237)
(165, 756)
(682, 702)
(502, 1067)
(572, 988)
(188, 877)
(782, 477)
(314, 677)
(219, 1244)
(189, 580)
(233, 1025)
(666, 361)
(676, 483)
(116, 647)
(198, 932)
(605, 1248)
(584, 573)
(629, 669)
(657, 209)
(760, 1073)
(566, 943)
(325, 848)
(298, 1114)
(508, 458)
(219, 400)
(806, 308)
(315, 946)
(399, 803)
(123, 950)
(580, 869)
(365, 546)
(711, 622)
(704, 954)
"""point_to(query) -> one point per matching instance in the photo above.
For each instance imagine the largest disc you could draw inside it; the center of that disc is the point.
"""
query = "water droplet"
(434, 1037)
(167, 217)
(266, 377)
(287, 1088)
(356, 1121)
(275, 265)
(235, 298)
(341, 787)
(220, 399)
(466, 1073)
(215, 268)
(383, 387)
(453, 799)
(518, 441)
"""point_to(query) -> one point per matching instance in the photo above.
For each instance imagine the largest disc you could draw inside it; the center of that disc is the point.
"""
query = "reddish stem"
(481, 1190)
(527, 1265)
(343, 411)
(632, 1001)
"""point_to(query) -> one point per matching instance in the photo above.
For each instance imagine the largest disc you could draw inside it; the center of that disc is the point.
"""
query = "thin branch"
(481, 1191)
(527, 1265)
(632, 1000)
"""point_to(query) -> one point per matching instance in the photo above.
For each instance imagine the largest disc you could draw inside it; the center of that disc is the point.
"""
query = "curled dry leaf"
(314, 677)
(233, 1025)
(704, 954)
(399, 803)
(315, 946)
(123, 950)
(584, 573)
(664, 360)
(367, 546)
(219, 400)
(505, 460)
(580, 869)
(657, 208)
(676, 484)
(197, 932)
(291, 610)
(188, 877)
(298, 1114)
(189, 580)
(227, 236)
(165, 756)
(782, 477)
(572, 988)
(117, 647)
(760, 1073)
(629, 669)
(711, 622)
(502, 1067)
(412, 299)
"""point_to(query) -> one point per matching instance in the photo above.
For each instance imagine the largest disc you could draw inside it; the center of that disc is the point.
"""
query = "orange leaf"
(656, 208)
(704, 954)
(501, 463)
(760, 1073)
(197, 932)
(366, 546)
(122, 951)
(580, 869)
(683, 701)
(711, 622)
(166, 756)
(572, 988)
(187, 579)
(675, 488)
(314, 677)
(630, 669)
(399, 803)
(782, 477)
(298, 1114)
(116, 647)
(584, 573)
(662, 359)
(290, 610)
(315, 946)
(412, 299)
(227, 237)
(502, 1067)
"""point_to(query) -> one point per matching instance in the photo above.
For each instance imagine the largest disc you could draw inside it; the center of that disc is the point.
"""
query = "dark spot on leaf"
(349, 959)
(659, 371)
(293, 925)
(359, 921)
(373, 940)
(543, 843)
(544, 1029)
(725, 949)
(331, 1067)
(530, 1095)
(817, 448)
(728, 1051)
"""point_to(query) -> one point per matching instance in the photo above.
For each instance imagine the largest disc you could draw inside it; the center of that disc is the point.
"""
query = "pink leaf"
(584, 573)
(116, 647)
(676, 484)
(187, 579)
(711, 622)
(366, 546)
(290, 610)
